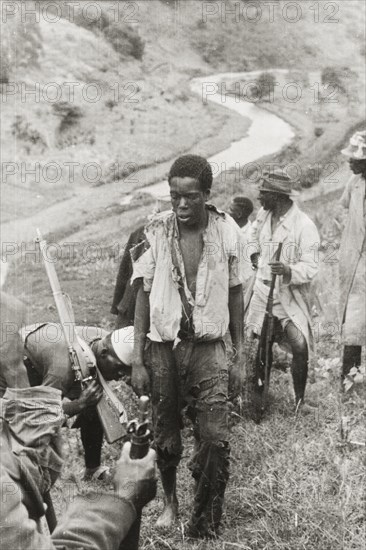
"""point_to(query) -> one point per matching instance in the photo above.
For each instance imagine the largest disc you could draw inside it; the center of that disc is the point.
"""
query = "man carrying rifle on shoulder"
(281, 224)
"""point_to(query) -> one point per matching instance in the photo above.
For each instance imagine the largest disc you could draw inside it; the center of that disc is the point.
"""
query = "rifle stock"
(110, 420)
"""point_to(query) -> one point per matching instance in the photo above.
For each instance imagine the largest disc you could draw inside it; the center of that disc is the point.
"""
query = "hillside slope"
(99, 114)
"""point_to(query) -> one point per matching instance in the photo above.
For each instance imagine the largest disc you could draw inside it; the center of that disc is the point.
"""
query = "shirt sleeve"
(144, 267)
(234, 249)
(235, 272)
(17, 530)
(91, 522)
(253, 246)
(305, 269)
(94, 521)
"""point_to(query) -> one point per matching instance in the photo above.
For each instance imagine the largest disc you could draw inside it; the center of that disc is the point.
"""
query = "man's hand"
(140, 379)
(236, 376)
(254, 259)
(135, 479)
(90, 396)
(279, 268)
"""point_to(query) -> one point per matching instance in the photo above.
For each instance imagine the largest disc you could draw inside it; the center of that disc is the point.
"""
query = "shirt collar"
(286, 219)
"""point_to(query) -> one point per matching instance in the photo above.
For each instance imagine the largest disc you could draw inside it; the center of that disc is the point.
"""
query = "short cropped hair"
(192, 166)
(245, 204)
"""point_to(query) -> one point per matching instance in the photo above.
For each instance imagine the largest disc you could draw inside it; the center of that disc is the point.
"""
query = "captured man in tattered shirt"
(191, 295)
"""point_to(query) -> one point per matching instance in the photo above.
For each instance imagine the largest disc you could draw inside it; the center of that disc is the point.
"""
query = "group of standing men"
(185, 274)
(189, 276)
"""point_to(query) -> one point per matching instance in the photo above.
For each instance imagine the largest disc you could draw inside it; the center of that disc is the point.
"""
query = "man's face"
(110, 366)
(358, 166)
(188, 200)
(235, 212)
(268, 199)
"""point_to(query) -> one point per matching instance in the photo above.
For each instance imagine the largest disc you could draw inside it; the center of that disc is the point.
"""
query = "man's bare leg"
(299, 367)
(170, 512)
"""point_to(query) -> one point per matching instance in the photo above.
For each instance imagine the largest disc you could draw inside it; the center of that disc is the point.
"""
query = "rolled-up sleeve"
(236, 276)
(144, 268)
(306, 268)
(233, 247)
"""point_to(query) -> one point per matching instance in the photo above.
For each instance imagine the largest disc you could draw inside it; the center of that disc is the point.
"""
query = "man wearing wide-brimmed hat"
(281, 221)
(352, 257)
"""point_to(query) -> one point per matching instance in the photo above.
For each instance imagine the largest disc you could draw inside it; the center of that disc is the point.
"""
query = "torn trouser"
(194, 374)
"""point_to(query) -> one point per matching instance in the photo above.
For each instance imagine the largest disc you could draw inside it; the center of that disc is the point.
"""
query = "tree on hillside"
(125, 40)
(266, 83)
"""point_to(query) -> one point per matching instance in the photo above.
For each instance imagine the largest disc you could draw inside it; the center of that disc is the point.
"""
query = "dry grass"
(296, 483)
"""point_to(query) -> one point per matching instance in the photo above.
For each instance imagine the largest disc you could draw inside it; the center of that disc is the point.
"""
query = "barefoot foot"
(168, 516)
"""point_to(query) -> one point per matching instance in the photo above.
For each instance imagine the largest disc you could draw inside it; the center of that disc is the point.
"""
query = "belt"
(265, 282)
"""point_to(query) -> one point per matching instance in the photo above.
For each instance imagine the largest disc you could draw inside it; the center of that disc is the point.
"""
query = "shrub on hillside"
(309, 176)
(99, 22)
(82, 15)
(266, 84)
(68, 113)
(125, 40)
(22, 130)
(334, 76)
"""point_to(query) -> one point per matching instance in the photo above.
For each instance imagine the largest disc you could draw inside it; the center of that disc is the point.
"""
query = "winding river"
(267, 133)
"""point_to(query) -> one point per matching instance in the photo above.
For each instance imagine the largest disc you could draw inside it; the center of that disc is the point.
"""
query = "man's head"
(356, 153)
(114, 354)
(358, 166)
(190, 180)
(240, 209)
(276, 189)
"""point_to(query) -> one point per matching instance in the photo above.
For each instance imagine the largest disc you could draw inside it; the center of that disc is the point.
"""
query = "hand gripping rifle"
(111, 411)
(140, 436)
(267, 336)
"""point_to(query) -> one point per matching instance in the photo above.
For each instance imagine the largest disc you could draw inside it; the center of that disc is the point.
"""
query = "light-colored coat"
(352, 239)
(300, 239)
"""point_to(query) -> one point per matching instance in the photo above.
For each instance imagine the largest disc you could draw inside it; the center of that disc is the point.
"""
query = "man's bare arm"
(236, 312)
(140, 378)
(236, 327)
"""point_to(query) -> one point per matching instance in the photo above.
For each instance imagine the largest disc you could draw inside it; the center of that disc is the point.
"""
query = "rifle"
(140, 436)
(111, 411)
(267, 336)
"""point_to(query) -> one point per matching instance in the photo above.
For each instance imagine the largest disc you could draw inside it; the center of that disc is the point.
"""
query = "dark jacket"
(124, 299)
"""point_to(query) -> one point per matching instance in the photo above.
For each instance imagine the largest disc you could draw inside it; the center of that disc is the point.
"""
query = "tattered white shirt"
(218, 270)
